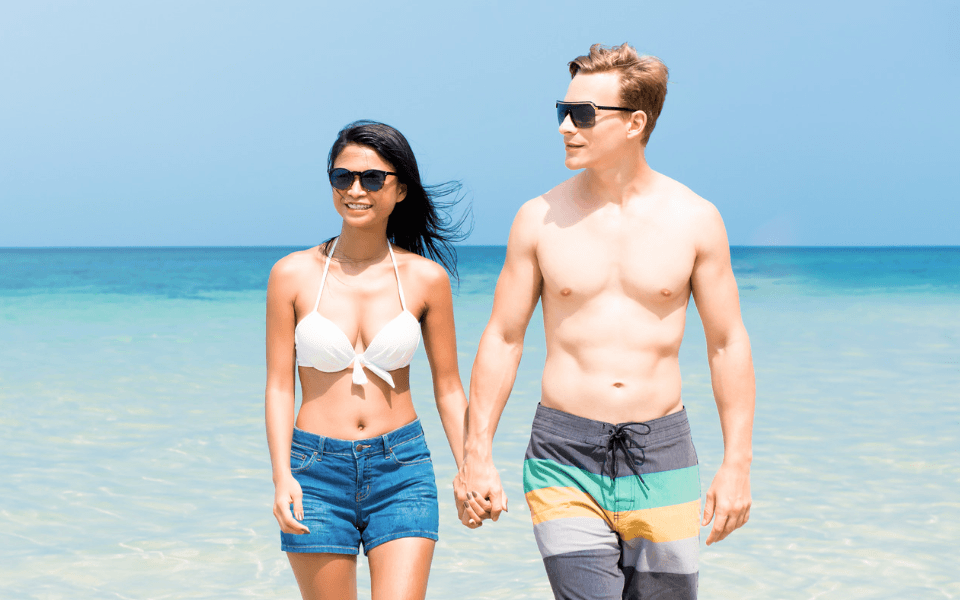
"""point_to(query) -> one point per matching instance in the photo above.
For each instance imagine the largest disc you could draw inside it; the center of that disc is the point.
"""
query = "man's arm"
(731, 373)
(477, 487)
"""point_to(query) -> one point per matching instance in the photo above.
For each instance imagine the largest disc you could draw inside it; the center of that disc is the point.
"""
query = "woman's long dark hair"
(421, 223)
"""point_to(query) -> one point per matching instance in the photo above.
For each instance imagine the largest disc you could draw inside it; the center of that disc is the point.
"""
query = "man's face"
(603, 143)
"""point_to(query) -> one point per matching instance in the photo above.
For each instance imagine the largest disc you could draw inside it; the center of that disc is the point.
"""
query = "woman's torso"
(367, 314)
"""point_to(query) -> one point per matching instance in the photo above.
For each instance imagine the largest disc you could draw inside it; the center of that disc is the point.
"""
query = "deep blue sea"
(134, 460)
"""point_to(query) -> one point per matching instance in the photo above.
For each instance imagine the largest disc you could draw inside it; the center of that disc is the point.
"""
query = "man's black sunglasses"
(371, 180)
(583, 114)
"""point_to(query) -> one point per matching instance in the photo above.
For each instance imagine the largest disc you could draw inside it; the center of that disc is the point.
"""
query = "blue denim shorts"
(363, 491)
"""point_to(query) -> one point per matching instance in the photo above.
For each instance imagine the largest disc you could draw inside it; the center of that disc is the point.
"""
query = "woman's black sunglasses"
(583, 114)
(371, 180)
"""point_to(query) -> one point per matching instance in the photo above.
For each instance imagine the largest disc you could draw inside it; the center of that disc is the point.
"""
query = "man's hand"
(478, 493)
(729, 499)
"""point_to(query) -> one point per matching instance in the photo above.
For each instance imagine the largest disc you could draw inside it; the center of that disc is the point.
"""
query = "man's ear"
(636, 124)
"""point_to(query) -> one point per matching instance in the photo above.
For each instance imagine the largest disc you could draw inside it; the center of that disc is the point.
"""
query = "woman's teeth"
(358, 206)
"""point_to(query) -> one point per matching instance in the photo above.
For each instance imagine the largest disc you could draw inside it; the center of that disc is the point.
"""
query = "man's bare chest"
(646, 264)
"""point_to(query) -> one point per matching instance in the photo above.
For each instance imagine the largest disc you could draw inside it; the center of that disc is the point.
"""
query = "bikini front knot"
(619, 440)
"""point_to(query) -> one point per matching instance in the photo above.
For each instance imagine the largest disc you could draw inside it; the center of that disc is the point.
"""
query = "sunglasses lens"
(583, 115)
(341, 179)
(373, 180)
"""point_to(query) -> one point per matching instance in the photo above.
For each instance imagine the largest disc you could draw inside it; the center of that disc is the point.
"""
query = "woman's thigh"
(399, 568)
(324, 576)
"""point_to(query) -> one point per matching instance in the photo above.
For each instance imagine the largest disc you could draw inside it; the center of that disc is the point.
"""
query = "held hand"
(288, 491)
(729, 499)
(478, 492)
(469, 511)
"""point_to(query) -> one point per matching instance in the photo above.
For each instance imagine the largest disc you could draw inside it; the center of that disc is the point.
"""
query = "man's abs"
(613, 366)
(614, 395)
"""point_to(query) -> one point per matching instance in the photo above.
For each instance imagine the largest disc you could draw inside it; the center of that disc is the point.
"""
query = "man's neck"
(620, 182)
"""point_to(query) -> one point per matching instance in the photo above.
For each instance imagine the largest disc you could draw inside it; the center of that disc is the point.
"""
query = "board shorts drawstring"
(619, 440)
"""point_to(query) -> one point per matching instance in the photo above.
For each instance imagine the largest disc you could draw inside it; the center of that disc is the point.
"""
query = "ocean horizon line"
(464, 246)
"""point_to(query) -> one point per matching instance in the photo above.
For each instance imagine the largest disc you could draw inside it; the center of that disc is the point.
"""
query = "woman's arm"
(440, 342)
(279, 396)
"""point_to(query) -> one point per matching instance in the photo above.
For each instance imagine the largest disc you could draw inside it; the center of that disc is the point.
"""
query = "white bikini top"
(322, 345)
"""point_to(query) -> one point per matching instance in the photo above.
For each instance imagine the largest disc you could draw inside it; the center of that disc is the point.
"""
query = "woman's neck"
(355, 246)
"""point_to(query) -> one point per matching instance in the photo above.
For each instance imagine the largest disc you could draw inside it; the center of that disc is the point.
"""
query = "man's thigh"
(582, 558)
(581, 552)
(586, 560)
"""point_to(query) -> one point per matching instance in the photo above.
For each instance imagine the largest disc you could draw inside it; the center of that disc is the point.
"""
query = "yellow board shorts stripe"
(662, 524)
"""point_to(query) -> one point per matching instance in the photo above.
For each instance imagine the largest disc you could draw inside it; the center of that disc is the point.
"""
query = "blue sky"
(208, 123)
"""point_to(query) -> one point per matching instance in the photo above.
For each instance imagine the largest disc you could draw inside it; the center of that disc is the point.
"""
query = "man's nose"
(567, 126)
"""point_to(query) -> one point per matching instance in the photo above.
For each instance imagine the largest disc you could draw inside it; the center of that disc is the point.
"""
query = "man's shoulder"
(538, 212)
(558, 195)
(696, 218)
(546, 207)
(686, 204)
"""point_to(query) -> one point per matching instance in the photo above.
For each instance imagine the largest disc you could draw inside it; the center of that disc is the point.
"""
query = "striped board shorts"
(616, 508)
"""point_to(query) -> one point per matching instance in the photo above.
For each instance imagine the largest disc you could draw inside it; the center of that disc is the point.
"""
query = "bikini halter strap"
(326, 267)
(403, 303)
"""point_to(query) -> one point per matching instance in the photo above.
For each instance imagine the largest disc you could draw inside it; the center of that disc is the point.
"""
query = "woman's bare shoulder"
(295, 264)
(424, 273)
(419, 267)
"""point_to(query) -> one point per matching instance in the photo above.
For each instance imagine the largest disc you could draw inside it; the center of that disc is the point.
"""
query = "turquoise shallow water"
(135, 463)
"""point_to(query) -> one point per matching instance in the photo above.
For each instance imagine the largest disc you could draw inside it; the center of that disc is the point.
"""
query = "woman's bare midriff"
(333, 406)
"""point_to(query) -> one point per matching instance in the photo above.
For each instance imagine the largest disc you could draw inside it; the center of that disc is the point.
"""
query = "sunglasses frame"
(355, 174)
(593, 121)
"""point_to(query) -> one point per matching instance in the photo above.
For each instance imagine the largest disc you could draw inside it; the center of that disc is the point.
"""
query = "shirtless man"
(614, 254)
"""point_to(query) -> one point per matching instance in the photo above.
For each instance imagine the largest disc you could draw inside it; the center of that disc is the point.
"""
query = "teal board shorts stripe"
(666, 488)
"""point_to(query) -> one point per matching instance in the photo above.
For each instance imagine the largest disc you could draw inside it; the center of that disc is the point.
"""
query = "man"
(614, 254)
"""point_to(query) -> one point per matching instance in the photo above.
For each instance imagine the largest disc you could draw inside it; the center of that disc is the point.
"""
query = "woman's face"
(358, 206)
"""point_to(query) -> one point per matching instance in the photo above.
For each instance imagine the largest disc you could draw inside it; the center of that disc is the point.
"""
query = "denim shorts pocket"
(300, 457)
(411, 452)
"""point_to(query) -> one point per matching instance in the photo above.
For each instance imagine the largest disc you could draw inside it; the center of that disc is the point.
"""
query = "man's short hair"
(643, 78)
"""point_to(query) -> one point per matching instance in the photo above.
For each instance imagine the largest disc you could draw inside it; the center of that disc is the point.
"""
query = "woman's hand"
(470, 509)
(289, 492)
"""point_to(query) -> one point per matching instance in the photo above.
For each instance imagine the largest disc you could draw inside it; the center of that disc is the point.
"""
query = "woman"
(348, 315)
